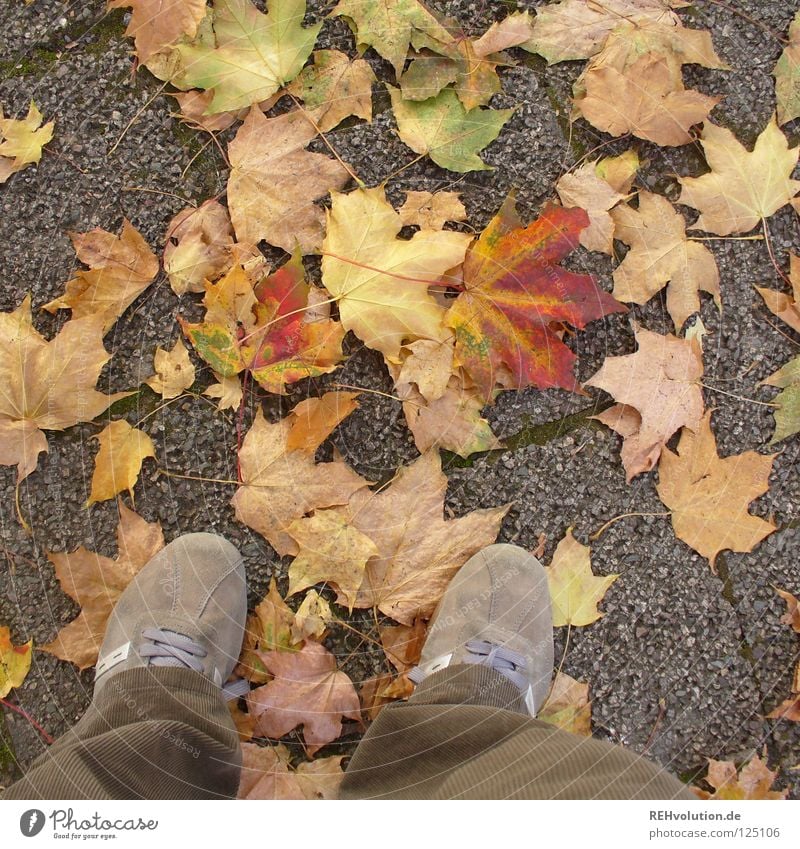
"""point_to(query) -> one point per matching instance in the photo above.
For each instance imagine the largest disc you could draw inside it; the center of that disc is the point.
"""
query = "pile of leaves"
(457, 319)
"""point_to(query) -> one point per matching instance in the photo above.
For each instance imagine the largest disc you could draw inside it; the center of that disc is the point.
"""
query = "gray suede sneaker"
(186, 608)
(495, 612)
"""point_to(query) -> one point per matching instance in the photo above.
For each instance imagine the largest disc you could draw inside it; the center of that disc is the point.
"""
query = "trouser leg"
(151, 733)
(459, 736)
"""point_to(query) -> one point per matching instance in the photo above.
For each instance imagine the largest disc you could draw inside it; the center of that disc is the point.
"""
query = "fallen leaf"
(568, 706)
(787, 402)
(46, 385)
(379, 281)
(250, 55)
(575, 591)
(330, 550)
(440, 127)
(643, 101)
(315, 419)
(661, 255)
(274, 182)
(430, 210)
(15, 661)
(708, 496)
(585, 189)
(429, 365)
(659, 392)
(198, 247)
(391, 27)
(279, 486)
(419, 552)
(119, 460)
(265, 329)
(334, 88)
(267, 774)
(268, 628)
(95, 583)
(452, 421)
(22, 140)
(790, 708)
(576, 29)
(174, 371)
(514, 291)
(743, 187)
(120, 269)
(312, 618)
(753, 781)
(619, 171)
(403, 644)
(786, 307)
(516, 30)
(228, 390)
(306, 690)
(373, 695)
(157, 24)
(787, 76)
(194, 107)
(245, 724)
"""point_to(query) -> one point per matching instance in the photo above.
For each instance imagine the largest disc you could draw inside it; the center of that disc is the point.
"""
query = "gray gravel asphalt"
(684, 664)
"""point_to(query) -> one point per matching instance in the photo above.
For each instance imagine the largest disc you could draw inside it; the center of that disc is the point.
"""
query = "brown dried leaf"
(753, 782)
(430, 210)
(568, 706)
(118, 462)
(314, 419)
(174, 371)
(198, 247)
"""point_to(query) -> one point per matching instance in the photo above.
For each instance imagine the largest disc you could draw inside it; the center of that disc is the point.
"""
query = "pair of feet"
(187, 608)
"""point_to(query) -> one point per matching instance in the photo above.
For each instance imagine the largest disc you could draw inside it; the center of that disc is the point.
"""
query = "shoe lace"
(169, 648)
(509, 663)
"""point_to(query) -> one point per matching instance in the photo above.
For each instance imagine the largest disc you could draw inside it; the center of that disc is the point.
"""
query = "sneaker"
(186, 608)
(495, 612)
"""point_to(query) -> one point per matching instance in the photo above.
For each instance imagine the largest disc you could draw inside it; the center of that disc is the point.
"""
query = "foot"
(496, 612)
(186, 608)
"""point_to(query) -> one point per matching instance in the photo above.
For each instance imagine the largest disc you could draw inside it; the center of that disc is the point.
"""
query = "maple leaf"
(268, 628)
(331, 550)
(619, 171)
(267, 774)
(661, 254)
(174, 371)
(575, 591)
(250, 56)
(403, 644)
(787, 76)
(312, 618)
(428, 363)
(306, 690)
(198, 247)
(708, 496)
(440, 127)
(96, 582)
(391, 27)
(157, 24)
(743, 187)
(46, 385)
(643, 101)
(334, 88)
(279, 486)
(379, 281)
(419, 552)
(787, 402)
(575, 29)
(120, 269)
(228, 390)
(790, 708)
(274, 182)
(568, 706)
(21, 141)
(585, 189)
(314, 419)
(15, 661)
(516, 30)
(658, 388)
(451, 421)
(119, 460)
(514, 290)
(430, 211)
(786, 307)
(265, 329)
(753, 781)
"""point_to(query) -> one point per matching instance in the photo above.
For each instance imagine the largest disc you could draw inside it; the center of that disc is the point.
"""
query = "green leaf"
(441, 128)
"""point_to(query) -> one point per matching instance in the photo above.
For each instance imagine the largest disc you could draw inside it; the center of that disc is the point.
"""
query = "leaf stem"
(22, 712)
(610, 522)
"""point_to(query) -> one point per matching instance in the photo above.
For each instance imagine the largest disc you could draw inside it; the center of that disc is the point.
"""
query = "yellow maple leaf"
(15, 661)
(119, 460)
(21, 141)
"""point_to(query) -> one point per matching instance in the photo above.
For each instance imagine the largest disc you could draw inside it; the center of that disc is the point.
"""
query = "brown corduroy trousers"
(167, 734)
